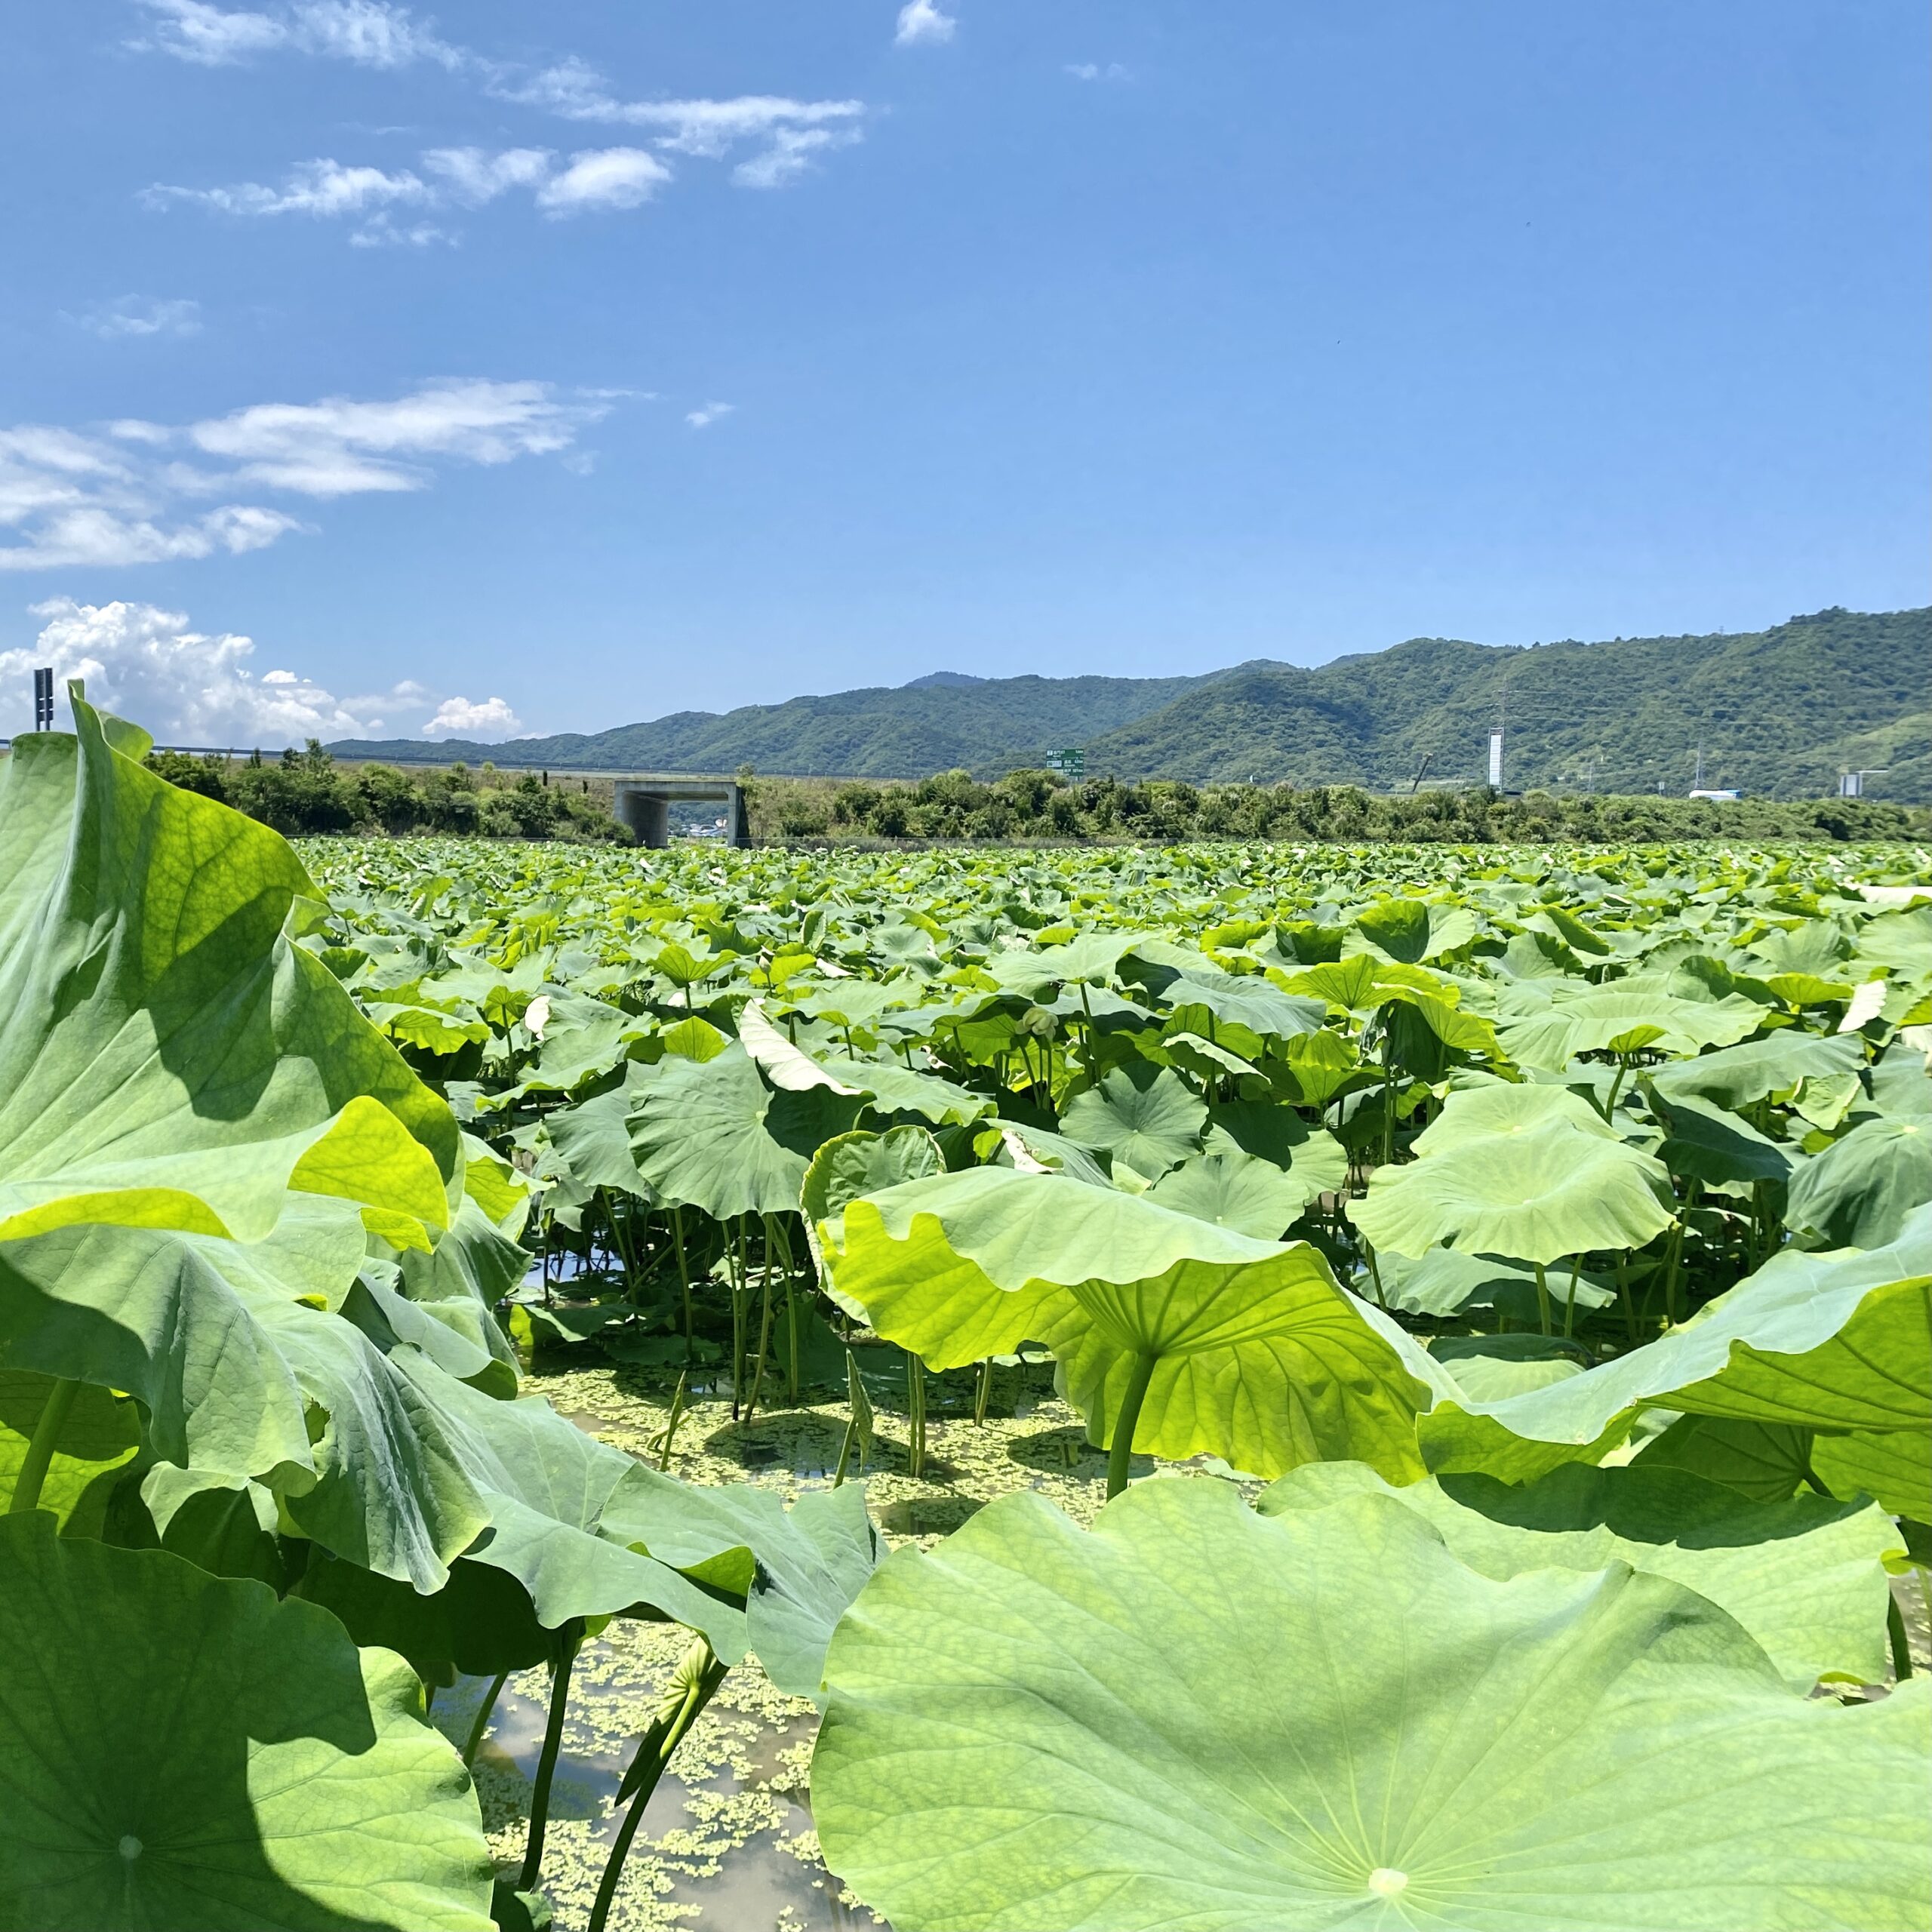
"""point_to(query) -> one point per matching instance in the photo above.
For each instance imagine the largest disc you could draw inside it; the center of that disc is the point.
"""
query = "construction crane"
(1415, 783)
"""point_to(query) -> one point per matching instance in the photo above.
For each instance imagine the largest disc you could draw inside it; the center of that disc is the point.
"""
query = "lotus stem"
(677, 1416)
(1570, 1305)
(568, 1640)
(1120, 1454)
(693, 1686)
(764, 1343)
(983, 1394)
(915, 1415)
(485, 1711)
(1543, 1296)
(1675, 1254)
(39, 1457)
(683, 1270)
(845, 1451)
(1895, 1629)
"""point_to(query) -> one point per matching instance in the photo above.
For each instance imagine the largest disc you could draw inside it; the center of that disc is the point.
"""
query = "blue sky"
(539, 368)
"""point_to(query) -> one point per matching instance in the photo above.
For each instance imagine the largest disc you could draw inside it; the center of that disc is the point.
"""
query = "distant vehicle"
(1718, 798)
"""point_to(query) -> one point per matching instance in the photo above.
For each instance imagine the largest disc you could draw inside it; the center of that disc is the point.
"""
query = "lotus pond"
(1221, 1387)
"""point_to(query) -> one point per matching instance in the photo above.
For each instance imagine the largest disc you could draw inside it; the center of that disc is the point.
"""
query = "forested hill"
(935, 724)
(1779, 712)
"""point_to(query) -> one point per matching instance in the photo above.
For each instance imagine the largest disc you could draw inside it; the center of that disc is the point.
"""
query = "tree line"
(308, 792)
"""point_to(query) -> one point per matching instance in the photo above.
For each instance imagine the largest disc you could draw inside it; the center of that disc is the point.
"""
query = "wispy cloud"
(472, 177)
(921, 22)
(707, 413)
(787, 133)
(790, 156)
(127, 493)
(141, 316)
(368, 33)
(1092, 70)
(323, 190)
(197, 688)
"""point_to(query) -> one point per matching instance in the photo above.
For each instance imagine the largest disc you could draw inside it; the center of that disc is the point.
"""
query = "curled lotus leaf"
(169, 1057)
(1839, 1344)
(1256, 1353)
(1539, 1193)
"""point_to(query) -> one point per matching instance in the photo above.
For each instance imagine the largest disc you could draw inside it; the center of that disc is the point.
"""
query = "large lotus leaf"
(1244, 1000)
(591, 1140)
(1838, 1343)
(1553, 1022)
(1766, 1461)
(98, 1437)
(564, 1517)
(864, 1163)
(1902, 1082)
(1145, 1117)
(1739, 1075)
(482, 1621)
(1412, 931)
(1198, 1719)
(180, 1750)
(712, 1135)
(1711, 1144)
(1541, 1194)
(797, 1569)
(893, 1089)
(1089, 960)
(1805, 1575)
(1444, 1282)
(1233, 1190)
(1035, 1150)
(242, 1379)
(1258, 1356)
(1896, 1467)
(1312, 1155)
(1506, 1107)
(1858, 1191)
(1902, 941)
(168, 1057)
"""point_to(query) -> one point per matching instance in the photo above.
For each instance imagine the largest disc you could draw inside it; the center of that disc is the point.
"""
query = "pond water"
(727, 1844)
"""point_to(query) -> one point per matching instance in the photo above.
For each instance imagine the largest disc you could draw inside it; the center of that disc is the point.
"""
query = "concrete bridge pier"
(644, 805)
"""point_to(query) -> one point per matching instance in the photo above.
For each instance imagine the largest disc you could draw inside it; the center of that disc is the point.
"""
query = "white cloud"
(603, 177)
(462, 715)
(186, 687)
(121, 497)
(381, 232)
(1091, 70)
(368, 33)
(190, 687)
(321, 187)
(790, 156)
(704, 129)
(337, 447)
(921, 23)
(137, 315)
(703, 417)
(474, 176)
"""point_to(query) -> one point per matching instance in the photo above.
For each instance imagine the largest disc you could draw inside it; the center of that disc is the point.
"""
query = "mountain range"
(1779, 712)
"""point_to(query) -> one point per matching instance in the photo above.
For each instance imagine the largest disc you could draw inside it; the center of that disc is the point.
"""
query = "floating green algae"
(727, 1842)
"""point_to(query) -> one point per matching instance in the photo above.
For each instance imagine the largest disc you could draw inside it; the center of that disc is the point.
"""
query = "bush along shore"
(310, 792)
